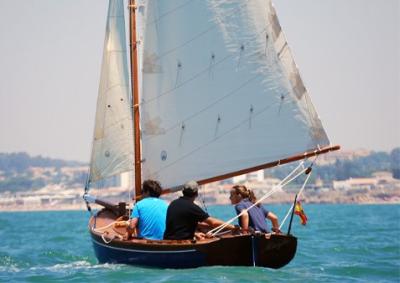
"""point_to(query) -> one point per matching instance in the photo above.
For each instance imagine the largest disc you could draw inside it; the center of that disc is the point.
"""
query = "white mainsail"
(220, 90)
(112, 151)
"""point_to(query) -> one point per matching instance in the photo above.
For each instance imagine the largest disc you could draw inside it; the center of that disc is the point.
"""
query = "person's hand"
(200, 236)
(276, 230)
(127, 236)
(237, 230)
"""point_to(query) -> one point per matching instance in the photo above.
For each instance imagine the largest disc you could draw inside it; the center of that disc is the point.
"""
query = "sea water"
(340, 243)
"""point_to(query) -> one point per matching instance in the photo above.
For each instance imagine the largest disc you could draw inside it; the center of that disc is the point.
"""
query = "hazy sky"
(348, 53)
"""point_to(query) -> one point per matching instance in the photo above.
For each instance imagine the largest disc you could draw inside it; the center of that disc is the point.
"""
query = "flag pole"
(291, 216)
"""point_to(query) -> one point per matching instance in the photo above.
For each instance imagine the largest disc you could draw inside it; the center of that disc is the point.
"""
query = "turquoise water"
(341, 243)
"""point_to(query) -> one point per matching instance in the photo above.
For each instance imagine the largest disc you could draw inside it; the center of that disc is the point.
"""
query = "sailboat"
(205, 90)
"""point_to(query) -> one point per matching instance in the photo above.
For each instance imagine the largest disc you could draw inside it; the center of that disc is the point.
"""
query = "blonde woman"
(242, 199)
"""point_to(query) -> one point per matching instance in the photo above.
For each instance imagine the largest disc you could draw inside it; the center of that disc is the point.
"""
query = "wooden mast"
(135, 95)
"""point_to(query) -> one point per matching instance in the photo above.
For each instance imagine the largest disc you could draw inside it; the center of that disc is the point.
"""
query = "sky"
(348, 53)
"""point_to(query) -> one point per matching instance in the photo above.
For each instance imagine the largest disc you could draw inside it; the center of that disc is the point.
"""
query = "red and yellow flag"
(298, 210)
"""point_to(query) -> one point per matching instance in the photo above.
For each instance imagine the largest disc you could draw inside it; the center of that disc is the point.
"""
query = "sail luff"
(112, 149)
(135, 94)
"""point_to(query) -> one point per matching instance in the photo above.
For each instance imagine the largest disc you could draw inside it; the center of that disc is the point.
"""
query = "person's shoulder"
(175, 201)
(161, 202)
(241, 203)
(265, 211)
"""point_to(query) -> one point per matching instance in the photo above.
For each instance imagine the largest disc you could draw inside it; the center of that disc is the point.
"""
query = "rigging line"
(202, 196)
(215, 139)
(209, 105)
(210, 28)
(155, 21)
(272, 191)
(292, 206)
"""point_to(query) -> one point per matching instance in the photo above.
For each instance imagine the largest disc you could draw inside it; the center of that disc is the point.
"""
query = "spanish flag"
(298, 210)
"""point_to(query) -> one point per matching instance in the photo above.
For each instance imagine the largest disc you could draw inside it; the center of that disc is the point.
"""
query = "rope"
(104, 239)
(300, 192)
(202, 197)
(291, 207)
(281, 184)
(99, 230)
(111, 239)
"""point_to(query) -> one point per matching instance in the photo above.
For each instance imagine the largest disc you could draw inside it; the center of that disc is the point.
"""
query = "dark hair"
(244, 192)
(190, 194)
(152, 187)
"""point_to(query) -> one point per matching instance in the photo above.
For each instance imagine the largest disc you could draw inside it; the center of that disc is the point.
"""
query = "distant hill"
(16, 172)
(20, 161)
(342, 168)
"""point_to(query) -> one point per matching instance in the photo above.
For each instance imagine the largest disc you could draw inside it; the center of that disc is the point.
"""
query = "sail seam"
(155, 21)
(215, 139)
(209, 106)
(200, 34)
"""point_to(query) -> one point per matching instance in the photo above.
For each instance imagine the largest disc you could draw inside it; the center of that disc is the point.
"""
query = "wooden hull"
(273, 251)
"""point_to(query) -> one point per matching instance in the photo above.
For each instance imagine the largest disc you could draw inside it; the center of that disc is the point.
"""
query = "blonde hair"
(245, 193)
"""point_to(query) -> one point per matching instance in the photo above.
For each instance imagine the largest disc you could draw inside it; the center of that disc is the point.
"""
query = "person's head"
(151, 188)
(239, 192)
(190, 189)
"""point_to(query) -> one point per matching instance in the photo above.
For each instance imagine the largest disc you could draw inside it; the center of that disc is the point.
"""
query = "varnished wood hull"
(243, 250)
(273, 251)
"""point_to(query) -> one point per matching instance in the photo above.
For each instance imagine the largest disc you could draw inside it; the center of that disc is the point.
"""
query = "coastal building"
(379, 180)
(253, 176)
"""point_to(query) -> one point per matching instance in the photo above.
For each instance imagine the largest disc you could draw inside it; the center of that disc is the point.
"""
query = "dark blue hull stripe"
(142, 251)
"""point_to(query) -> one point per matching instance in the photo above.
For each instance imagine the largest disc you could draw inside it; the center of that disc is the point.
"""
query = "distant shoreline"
(83, 207)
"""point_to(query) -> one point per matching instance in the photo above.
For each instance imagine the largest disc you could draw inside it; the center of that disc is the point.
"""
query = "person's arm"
(131, 229)
(274, 220)
(244, 221)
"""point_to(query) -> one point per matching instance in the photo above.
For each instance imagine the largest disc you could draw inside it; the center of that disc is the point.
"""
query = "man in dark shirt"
(183, 216)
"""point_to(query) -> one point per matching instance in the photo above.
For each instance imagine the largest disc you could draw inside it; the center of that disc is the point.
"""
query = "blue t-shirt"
(151, 213)
(257, 215)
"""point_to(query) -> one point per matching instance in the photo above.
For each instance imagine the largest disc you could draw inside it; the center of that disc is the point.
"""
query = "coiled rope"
(103, 232)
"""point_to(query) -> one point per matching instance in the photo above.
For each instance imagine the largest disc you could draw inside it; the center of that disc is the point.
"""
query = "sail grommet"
(212, 63)
(178, 71)
(240, 55)
(163, 155)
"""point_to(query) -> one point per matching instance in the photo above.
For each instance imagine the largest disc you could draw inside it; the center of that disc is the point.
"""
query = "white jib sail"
(220, 91)
(112, 151)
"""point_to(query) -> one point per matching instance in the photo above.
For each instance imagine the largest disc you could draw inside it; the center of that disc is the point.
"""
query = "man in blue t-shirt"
(148, 215)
